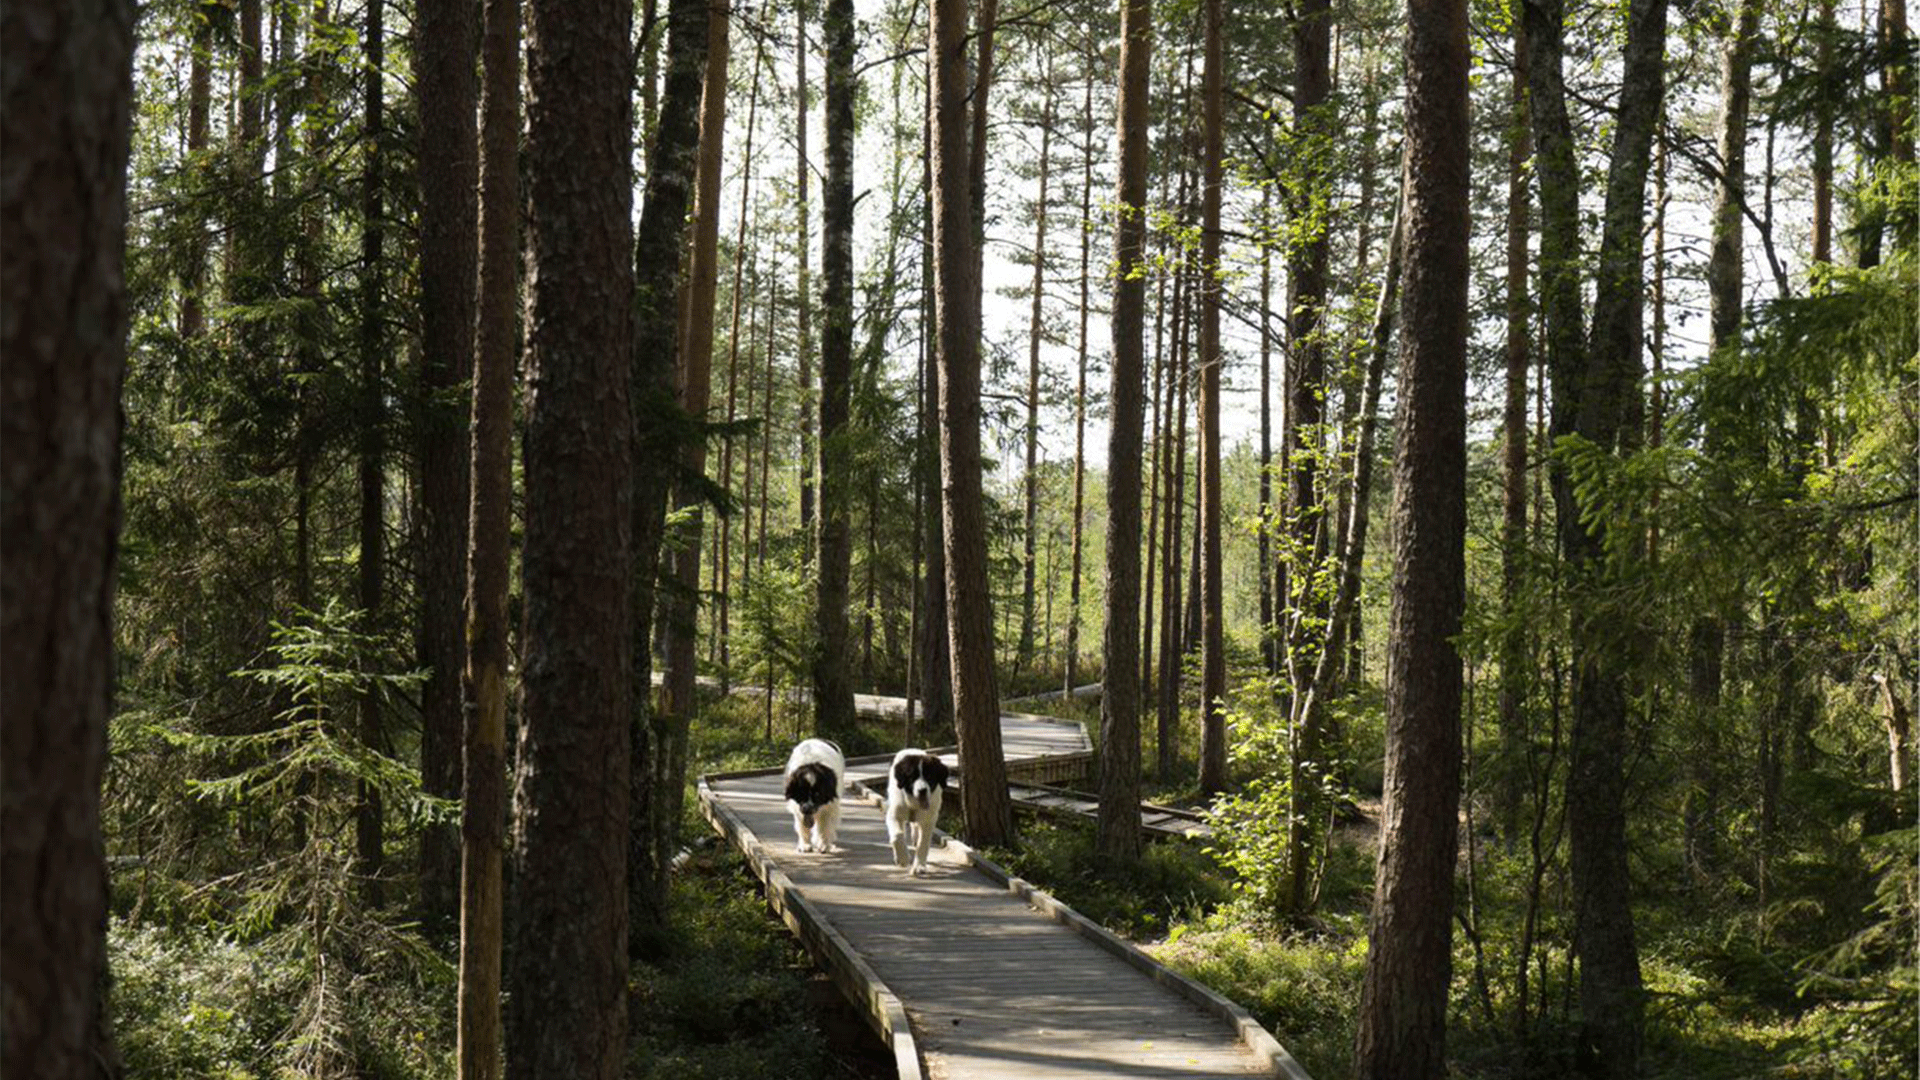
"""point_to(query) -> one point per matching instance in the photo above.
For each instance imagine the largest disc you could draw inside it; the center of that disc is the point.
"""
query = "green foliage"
(1174, 880)
(720, 1005)
(1302, 989)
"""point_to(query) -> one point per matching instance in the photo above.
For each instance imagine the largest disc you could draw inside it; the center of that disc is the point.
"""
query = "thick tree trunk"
(1304, 439)
(567, 974)
(369, 814)
(1213, 660)
(1403, 1003)
(976, 702)
(489, 548)
(659, 736)
(1514, 667)
(832, 679)
(66, 94)
(1602, 403)
(446, 39)
(1119, 828)
(936, 678)
(694, 354)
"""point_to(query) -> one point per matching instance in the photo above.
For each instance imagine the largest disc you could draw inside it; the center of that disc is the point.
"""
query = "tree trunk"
(1155, 466)
(1269, 643)
(1304, 439)
(567, 973)
(1514, 666)
(66, 94)
(369, 815)
(489, 548)
(1306, 376)
(1167, 734)
(803, 300)
(193, 318)
(1080, 394)
(1725, 266)
(976, 702)
(936, 679)
(695, 367)
(659, 736)
(832, 680)
(1403, 1003)
(1602, 403)
(1031, 483)
(1118, 838)
(1213, 660)
(445, 82)
(723, 600)
(1822, 240)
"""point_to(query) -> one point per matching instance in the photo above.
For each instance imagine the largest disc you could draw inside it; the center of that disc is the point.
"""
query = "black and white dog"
(914, 789)
(815, 771)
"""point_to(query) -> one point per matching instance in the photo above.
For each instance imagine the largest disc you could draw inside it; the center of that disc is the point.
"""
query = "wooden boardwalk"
(967, 973)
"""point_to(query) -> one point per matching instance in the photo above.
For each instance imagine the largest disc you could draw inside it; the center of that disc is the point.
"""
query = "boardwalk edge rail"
(855, 978)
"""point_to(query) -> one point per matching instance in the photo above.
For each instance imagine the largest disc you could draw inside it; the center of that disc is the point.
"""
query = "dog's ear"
(798, 782)
(935, 771)
(903, 770)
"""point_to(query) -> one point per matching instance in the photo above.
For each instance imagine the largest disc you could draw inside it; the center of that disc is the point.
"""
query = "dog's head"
(919, 776)
(811, 787)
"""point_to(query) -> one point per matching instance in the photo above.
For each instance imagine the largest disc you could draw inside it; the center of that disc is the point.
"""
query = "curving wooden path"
(968, 973)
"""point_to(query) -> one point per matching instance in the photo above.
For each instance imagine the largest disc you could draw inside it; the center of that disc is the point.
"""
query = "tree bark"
(445, 44)
(1080, 393)
(936, 679)
(369, 814)
(1304, 439)
(1031, 478)
(66, 94)
(1602, 404)
(1822, 239)
(193, 319)
(489, 548)
(832, 681)
(1514, 667)
(976, 702)
(1269, 643)
(1403, 1004)
(803, 299)
(659, 736)
(1167, 733)
(1118, 836)
(695, 368)
(1213, 660)
(723, 599)
(566, 979)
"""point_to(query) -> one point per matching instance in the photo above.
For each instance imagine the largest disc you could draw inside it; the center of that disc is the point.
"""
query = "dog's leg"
(897, 838)
(800, 834)
(923, 835)
(826, 823)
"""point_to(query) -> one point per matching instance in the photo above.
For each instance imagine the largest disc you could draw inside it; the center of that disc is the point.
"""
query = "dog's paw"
(899, 852)
(803, 847)
(919, 870)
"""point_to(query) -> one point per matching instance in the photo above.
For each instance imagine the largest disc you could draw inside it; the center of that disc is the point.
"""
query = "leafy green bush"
(1303, 990)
